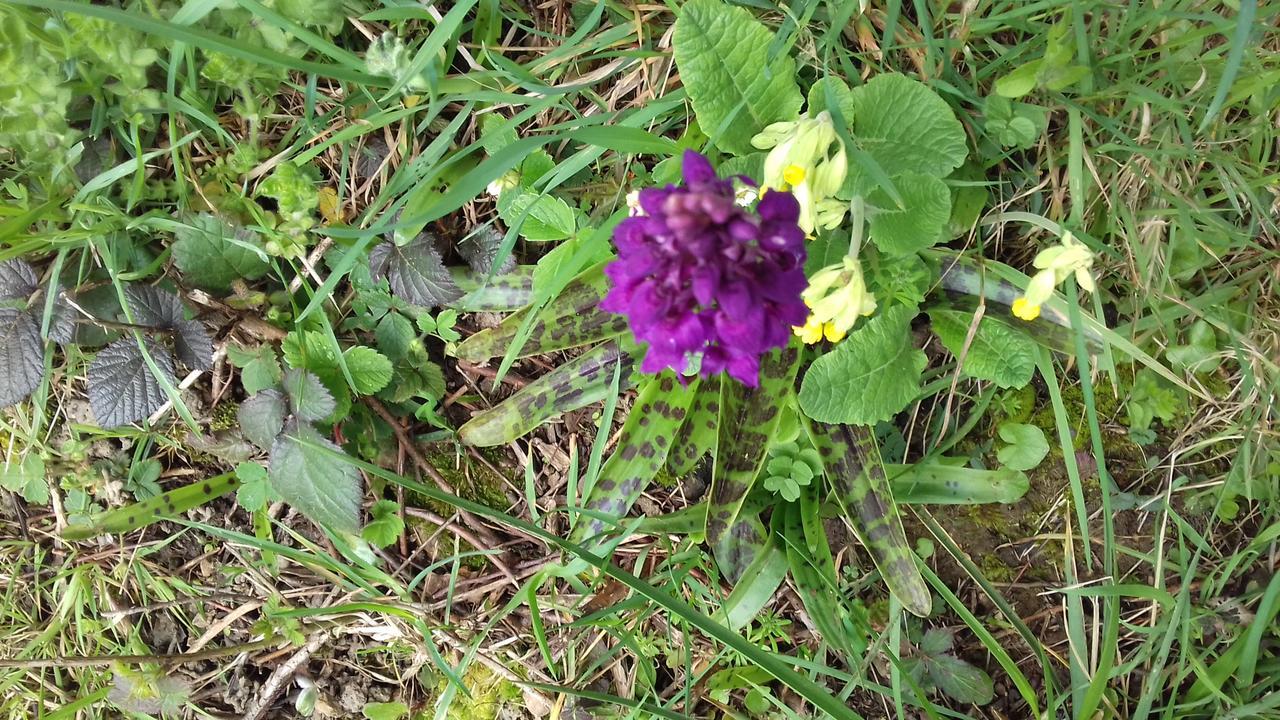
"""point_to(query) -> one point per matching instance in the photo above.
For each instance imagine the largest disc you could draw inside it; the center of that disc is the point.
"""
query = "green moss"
(225, 416)
(471, 479)
(489, 695)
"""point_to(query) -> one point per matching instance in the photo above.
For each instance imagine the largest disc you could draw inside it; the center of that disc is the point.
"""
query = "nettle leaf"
(480, 249)
(919, 224)
(17, 280)
(586, 379)
(309, 399)
(723, 56)
(394, 335)
(262, 417)
(259, 367)
(21, 356)
(318, 353)
(212, 254)
(1026, 449)
(999, 352)
(869, 377)
(936, 641)
(306, 474)
(370, 369)
(906, 128)
(541, 218)
(415, 272)
(122, 388)
(159, 308)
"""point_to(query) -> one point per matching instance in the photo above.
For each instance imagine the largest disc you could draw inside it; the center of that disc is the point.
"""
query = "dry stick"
(176, 659)
(407, 443)
(283, 675)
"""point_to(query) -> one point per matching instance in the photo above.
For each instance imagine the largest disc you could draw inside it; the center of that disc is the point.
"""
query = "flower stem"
(857, 213)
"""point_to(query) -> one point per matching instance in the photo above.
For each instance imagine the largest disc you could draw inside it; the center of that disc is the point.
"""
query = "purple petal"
(696, 168)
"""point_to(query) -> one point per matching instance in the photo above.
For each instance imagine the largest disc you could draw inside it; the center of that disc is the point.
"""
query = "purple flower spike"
(698, 275)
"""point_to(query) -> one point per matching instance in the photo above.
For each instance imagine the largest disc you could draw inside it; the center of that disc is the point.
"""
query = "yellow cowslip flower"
(837, 296)
(808, 159)
(1055, 264)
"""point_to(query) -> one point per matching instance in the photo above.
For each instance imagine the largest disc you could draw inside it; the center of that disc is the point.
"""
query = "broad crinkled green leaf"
(213, 254)
(541, 217)
(305, 472)
(659, 409)
(370, 370)
(415, 272)
(586, 379)
(723, 56)
(906, 128)
(261, 417)
(870, 376)
(999, 352)
(309, 399)
(921, 222)
(21, 356)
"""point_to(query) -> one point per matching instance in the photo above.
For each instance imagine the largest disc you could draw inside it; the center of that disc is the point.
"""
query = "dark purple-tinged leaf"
(159, 308)
(748, 418)
(415, 272)
(852, 462)
(168, 504)
(572, 319)
(507, 292)
(308, 473)
(658, 411)
(122, 388)
(17, 280)
(192, 345)
(262, 417)
(21, 356)
(586, 379)
(62, 323)
(480, 249)
(308, 397)
(698, 434)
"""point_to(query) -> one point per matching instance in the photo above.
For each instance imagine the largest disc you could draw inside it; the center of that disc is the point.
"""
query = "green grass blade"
(586, 379)
(1235, 56)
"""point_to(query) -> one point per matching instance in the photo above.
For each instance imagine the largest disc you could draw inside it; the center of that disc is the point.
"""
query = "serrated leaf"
(62, 323)
(122, 388)
(480, 249)
(936, 641)
(21, 356)
(305, 473)
(1027, 446)
(906, 128)
(723, 56)
(192, 345)
(370, 369)
(999, 352)
(415, 272)
(159, 308)
(852, 462)
(870, 376)
(960, 680)
(262, 416)
(586, 379)
(642, 448)
(309, 399)
(213, 254)
(259, 367)
(318, 354)
(255, 489)
(394, 334)
(17, 280)
(386, 526)
(572, 319)
(919, 223)
(541, 218)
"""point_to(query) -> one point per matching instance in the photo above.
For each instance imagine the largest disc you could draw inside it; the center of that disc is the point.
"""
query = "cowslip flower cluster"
(1055, 265)
(807, 158)
(837, 296)
(703, 279)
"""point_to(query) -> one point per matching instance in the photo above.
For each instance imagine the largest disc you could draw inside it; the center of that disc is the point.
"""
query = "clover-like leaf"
(735, 87)
(21, 356)
(906, 128)
(17, 280)
(999, 352)
(122, 388)
(305, 472)
(919, 223)
(309, 399)
(213, 254)
(870, 376)
(415, 272)
(262, 417)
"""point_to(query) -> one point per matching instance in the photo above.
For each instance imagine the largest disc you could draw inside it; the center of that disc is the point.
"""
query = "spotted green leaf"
(698, 434)
(586, 379)
(506, 292)
(757, 581)
(740, 546)
(749, 416)
(168, 504)
(852, 462)
(659, 409)
(572, 319)
(813, 571)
